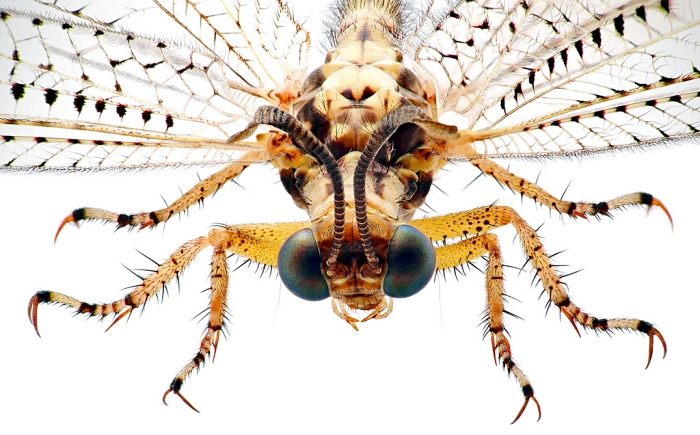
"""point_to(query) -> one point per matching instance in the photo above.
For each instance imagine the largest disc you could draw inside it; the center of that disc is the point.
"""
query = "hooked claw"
(652, 332)
(69, 219)
(527, 400)
(33, 312)
(177, 392)
(657, 203)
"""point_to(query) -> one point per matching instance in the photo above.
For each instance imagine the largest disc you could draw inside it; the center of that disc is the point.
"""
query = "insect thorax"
(342, 102)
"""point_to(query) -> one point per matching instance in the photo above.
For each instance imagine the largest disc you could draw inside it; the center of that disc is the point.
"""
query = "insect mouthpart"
(406, 262)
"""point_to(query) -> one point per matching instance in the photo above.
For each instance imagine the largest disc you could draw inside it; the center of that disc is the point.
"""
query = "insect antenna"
(386, 127)
(283, 120)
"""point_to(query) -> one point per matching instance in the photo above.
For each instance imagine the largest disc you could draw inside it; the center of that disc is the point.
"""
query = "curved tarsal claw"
(170, 390)
(527, 400)
(33, 312)
(657, 203)
(69, 219)
(652, 333)
(121, 316)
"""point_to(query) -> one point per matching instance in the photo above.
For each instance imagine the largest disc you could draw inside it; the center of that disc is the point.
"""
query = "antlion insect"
(358, 141)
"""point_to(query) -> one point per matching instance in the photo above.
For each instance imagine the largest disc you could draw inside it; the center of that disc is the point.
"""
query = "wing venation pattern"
(178, 95)
(598, 75)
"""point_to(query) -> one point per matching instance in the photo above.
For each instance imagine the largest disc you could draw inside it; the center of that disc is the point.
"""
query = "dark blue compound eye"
(299, 264)
(410, 263)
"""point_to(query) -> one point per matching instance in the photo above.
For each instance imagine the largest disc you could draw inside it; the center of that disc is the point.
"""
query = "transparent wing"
(111, 95)
(543, 78)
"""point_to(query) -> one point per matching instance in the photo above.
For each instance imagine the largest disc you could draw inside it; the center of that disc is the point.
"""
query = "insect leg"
(469, 249)
(201, 190)
(150, 286)
(574, 209)
(217, 314)
(481, 220)
(557, 292)
(484, 219)
(257, 242)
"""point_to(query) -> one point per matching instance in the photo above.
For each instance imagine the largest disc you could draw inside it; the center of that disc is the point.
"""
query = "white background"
(293, 366)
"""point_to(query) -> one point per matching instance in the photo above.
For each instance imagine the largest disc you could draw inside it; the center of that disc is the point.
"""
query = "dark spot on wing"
(100, 106)
(50, 96)
(17, 91)
(79, 103)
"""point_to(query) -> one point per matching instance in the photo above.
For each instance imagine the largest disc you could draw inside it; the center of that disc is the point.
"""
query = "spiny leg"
(150, 286)
(467, 250)
(574, 209)
(258, 242)
(558, 296)
(483, 219)
(201, 190)
(217, 313)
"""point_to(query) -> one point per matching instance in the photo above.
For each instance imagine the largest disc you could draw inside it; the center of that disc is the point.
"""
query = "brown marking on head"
(352, 280)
